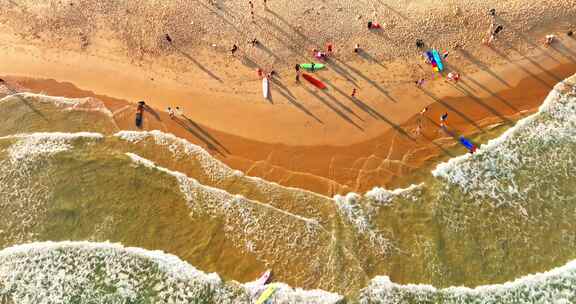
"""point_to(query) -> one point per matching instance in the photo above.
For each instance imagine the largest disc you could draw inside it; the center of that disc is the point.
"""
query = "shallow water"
(480, 219)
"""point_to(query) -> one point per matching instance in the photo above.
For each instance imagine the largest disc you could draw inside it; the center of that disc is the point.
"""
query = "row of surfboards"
(308, 66)
(434, 58)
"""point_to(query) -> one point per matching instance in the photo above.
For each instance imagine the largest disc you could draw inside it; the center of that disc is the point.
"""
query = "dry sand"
(323, 141)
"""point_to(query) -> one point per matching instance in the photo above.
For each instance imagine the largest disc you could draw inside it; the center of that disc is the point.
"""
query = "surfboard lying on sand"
(438, 60)
(265, 88)
(317, 83)
(266, 294)
(468, 144)
(308, 66)
(263, 280)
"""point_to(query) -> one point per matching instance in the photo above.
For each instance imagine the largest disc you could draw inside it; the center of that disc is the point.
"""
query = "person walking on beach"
(423, 111)
(329, 49)
(498, 29)
(234, 49)
(452, 76)
(168, 38)
(297, 68)
(179, 111)
(492, 12)
(549, 40)
(353, 92)
(419, 82)
(443, 119)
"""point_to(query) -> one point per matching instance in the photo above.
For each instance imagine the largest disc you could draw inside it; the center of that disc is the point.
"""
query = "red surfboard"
(317, 83)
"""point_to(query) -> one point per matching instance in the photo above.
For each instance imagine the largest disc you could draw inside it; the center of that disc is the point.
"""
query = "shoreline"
(430, 148)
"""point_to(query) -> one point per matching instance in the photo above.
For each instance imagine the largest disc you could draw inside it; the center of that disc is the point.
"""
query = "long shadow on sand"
(463, 83)
(370, 81)
(198, 135)
(522, 36)
(205, 133)
(298, 105)
(198, 64)
(370, 111)
(333, 108)
(521, 67)
(482, 66)
(484, 105)
(536, 64)
(445, 104)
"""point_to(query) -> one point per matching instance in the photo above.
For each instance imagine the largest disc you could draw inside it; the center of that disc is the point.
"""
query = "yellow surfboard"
(266, 294)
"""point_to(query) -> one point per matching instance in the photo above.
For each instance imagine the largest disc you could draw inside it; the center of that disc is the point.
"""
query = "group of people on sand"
(493, 32)
(175, 112)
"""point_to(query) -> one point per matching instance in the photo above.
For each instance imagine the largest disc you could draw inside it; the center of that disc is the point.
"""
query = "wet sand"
(381, 161)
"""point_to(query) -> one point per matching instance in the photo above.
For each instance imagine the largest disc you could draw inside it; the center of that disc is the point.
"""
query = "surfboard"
(265, 88)
(266, 294)
(308, 66)
(317, 83)
(263, 280)
(437, 60)
(468, 144)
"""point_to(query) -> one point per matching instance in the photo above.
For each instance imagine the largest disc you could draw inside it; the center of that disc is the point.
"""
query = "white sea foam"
(32, 145)
(66, 272)
(349, 207)
(555, 286)
(253, 226)
(219, 175)
(88, 104)
(493, 170)
(383, 196)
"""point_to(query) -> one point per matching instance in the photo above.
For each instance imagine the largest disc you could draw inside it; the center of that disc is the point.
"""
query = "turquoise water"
(486, 220)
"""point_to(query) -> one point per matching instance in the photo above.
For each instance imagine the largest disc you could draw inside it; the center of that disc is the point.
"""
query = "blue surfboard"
(466, 143)
(438, 60)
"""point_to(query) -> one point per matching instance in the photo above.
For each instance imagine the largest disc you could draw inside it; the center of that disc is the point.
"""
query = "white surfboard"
(265, 88)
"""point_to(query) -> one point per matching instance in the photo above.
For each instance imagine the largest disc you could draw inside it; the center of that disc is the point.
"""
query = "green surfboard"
(308, 66)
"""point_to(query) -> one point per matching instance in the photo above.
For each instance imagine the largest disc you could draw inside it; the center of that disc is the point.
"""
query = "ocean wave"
(541, 142)
(84, 272)
(87, 104)
(31, 145)
(555, 286)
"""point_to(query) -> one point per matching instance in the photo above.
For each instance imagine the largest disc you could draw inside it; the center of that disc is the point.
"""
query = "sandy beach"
(320, 140)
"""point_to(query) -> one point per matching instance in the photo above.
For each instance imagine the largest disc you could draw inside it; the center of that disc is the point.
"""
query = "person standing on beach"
(549, 39)
(179, 111)
(353, 92)
(170, 113)
(443, 119)
(297, 68)
(234, 49)
(357, 48)
(498, 29)
(492, 12)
